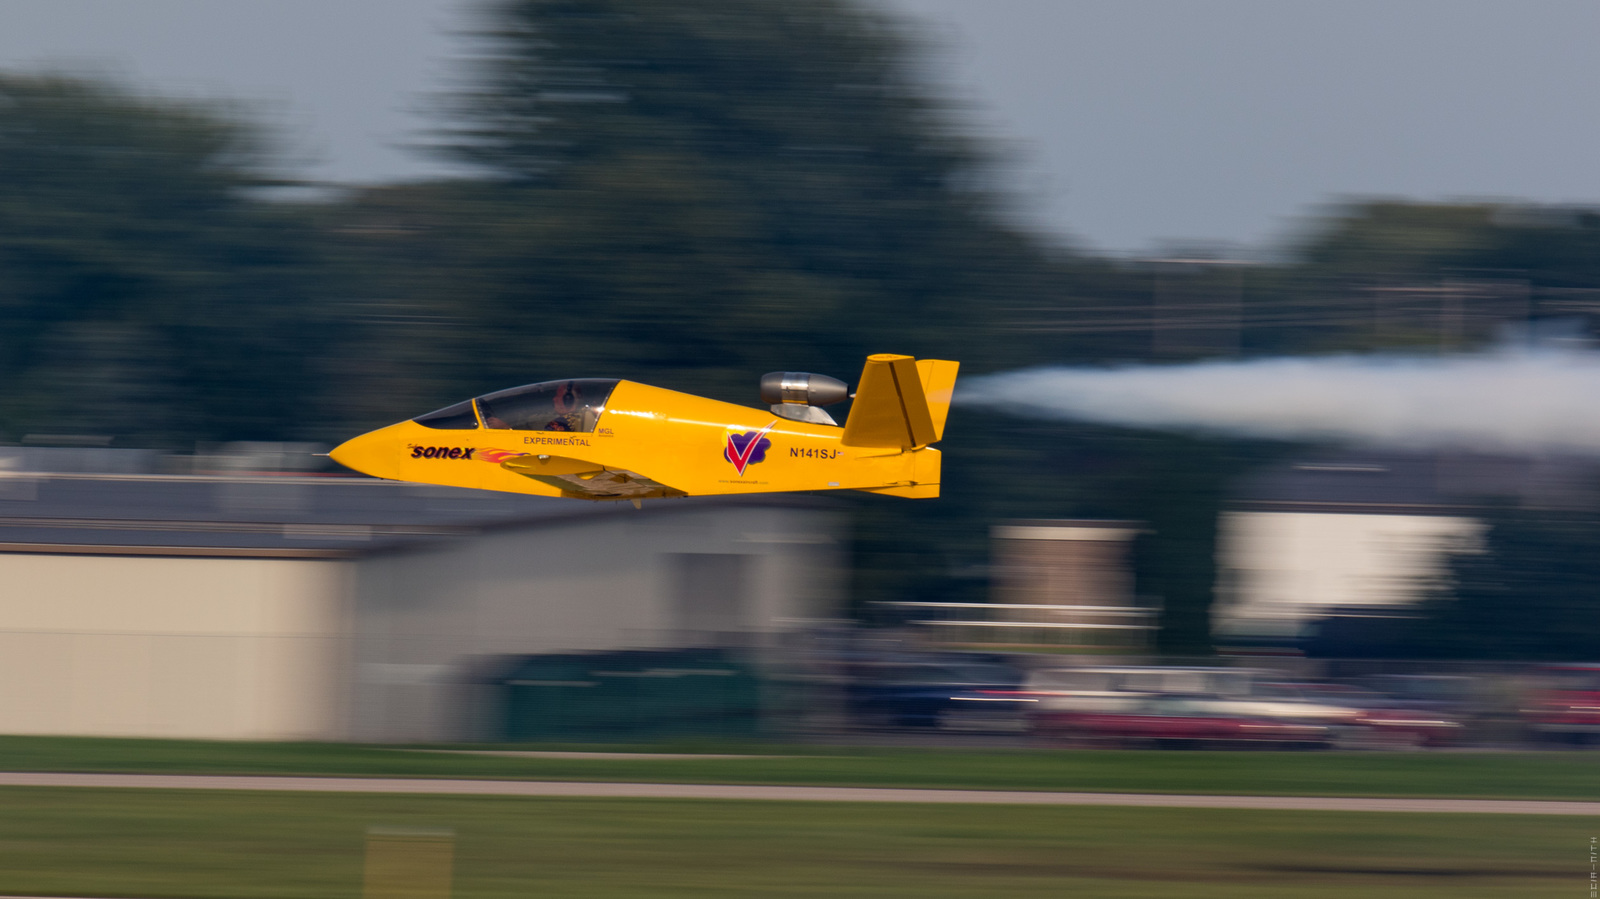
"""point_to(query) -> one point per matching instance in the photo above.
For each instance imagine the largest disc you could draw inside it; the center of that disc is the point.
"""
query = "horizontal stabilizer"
(890, 409)
(915, 491)
(922, 475)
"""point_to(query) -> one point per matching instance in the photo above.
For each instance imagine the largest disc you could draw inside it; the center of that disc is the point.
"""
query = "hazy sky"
(1133, 123)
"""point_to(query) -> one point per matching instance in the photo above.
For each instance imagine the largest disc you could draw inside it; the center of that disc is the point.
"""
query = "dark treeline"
(688, 193)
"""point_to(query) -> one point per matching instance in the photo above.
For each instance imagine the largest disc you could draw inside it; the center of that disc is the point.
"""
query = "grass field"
(1549, 775)
(135, 843)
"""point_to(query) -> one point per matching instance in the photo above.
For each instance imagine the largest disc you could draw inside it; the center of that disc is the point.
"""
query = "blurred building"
(1053, 565)
(1365, 534)
(1055, 581)
(294, 607)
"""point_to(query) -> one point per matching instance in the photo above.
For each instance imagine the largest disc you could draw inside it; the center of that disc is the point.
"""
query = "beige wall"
(171, 647)
(1279, 570)
(218, 648)
(604, 583)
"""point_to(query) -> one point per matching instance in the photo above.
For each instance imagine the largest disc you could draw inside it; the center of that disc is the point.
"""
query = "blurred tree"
(1401, 241)
(1397, 240)
(143, 294)
(697, 189)
(1396, 274)
(1533, 592)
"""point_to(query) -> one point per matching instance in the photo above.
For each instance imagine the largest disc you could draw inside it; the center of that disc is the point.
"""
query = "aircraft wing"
(587, 480)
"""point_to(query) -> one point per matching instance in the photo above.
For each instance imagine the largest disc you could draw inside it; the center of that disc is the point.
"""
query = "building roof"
(1417, 484)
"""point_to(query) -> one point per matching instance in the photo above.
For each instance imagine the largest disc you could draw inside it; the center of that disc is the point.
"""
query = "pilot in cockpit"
(569, 409)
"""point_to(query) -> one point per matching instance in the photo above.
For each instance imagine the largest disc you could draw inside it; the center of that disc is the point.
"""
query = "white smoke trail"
(1521, 401)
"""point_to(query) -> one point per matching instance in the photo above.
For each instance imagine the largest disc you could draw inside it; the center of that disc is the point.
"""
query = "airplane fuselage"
(644, 442)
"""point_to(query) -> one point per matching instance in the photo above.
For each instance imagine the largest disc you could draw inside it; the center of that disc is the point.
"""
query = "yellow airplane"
(602, 439)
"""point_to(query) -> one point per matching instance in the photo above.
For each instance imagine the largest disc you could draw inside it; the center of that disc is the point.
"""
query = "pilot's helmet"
(567, 398)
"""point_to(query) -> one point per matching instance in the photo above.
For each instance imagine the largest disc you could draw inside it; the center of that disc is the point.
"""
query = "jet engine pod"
(802, 387)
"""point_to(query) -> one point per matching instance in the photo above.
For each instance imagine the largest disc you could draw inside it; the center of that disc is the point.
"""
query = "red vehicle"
(1181, 720)
(1564, 703)
(1375, 720)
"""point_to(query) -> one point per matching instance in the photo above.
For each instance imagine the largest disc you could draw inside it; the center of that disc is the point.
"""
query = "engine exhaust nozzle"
(803, 388)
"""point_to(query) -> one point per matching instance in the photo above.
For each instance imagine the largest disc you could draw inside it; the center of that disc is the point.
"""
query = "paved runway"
(788, 793)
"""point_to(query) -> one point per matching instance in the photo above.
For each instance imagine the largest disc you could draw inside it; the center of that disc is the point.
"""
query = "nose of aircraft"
(376, 453)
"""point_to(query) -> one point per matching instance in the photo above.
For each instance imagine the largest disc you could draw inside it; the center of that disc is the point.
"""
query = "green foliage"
(1402, 242)
(245, 845)
(694, 190)
(144, 295)
(1503, 775)
(1397, 240)
(1402, 275)
(1531, 593)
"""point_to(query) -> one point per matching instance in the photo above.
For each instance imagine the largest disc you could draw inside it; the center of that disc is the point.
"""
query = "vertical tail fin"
(900, 402)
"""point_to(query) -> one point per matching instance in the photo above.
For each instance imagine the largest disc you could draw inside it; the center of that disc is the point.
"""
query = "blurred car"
(930, 692)
(1121, 688)
(1450, 694)
(1349, 716)
(1290, 702)
(989, 710)
(1363, 718)
(1563, 703)
(1179, 720)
